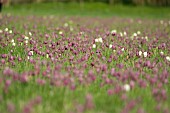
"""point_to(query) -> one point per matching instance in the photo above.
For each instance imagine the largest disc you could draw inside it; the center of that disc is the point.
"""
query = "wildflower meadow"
(84, 64)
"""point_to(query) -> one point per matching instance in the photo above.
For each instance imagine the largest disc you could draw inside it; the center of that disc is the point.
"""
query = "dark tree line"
(112, 2)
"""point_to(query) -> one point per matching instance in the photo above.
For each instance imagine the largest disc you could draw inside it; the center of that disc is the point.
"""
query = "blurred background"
(111, 2)
(101, 8)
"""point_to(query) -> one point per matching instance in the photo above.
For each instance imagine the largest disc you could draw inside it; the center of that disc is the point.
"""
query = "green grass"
(62, 99)
(89, 9)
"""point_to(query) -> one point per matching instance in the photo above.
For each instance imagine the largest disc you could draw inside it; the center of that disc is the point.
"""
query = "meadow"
(81, 59)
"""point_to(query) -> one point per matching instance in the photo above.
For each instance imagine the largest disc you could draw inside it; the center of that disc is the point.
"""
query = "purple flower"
(2, 61)
(40, 81)
(11, 107)
(112, 71)
(7, 83)
(110, 91)
(89, 102)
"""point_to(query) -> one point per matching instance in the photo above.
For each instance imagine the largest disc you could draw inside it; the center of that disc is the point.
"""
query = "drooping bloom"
(162, 53)
(168, 58)
(10, 31)
(12, 40)
(30, 33)
(126, 87)
(140, 53)
(100, 40)
(13, 44)
(123, 49)
(96, 40)
(6, 29)
(145, 54)
(121, 34)
(47, 55)
(125, 33)
(1, 31)
(113, 32)
(30, 53)
(60, 32)
(94, 46)
(110, 46)
(26, 38)
(138, 32)
(135, 34)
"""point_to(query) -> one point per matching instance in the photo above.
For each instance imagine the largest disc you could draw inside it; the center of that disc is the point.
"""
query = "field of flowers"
(56, 64)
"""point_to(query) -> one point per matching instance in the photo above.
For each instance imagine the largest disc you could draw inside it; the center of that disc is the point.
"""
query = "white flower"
(28, 57)
(1, 31)
(146, 38)
(135, 34)
(140, 53)
(114, 50)
(31, 52)
(26, 41)
(60, 32)
(162, 53)
(71, 29)
(12, 40)
(26, 38)
(13, 44)
(110, 46)
(30, 33)
(168, 58)
(10, 31)
(121, 34)
(126, 87)
(113, 31)
(66, 25)
(125, 33)
(47, 55)
(123, 49)
(96, 40)
(100, 40)
(94, 45)
(138, 32)
(6, 29)
(82, 33)
(145, 54)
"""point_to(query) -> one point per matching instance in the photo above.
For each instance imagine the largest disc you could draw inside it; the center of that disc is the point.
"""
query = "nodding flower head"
(113, 32)
(94, 46)
(168, 58)
(100, 40)
(126, 87)
(140, 53)
(26, 38)
(110, 46)
(145, 54)
(96, 40)
(30, 53)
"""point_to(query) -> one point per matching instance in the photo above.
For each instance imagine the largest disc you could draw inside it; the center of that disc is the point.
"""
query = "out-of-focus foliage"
(112, 2)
